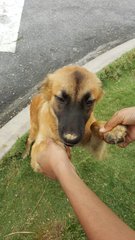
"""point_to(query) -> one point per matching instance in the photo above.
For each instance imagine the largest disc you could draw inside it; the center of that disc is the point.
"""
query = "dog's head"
(72, 92)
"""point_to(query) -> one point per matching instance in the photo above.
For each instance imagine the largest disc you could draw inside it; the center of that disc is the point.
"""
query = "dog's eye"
(89, 101)
(60, 99)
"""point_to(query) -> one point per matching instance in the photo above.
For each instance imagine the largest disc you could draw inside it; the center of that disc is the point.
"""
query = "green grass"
(30, 202)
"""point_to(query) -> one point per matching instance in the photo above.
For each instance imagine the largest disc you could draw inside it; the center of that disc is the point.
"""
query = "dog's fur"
(63, 111)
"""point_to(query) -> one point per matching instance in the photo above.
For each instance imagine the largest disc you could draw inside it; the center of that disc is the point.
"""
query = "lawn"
(33, 207)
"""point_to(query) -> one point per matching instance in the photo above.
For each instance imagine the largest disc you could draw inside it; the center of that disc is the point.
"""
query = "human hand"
(53, 158)
(124, 117)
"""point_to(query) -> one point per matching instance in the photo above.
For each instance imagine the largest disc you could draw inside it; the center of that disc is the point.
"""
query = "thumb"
(113, 122)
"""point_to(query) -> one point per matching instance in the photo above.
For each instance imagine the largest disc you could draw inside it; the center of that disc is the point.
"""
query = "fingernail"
(48, 140)
(102, 130)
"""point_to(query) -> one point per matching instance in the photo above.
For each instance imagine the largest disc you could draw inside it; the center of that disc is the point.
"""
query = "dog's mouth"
(71, 139)
(69, 144)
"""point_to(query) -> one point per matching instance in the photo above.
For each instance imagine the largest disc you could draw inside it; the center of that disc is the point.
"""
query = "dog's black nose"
(71, 138)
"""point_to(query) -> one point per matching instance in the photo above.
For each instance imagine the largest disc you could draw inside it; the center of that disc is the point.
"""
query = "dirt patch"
(54, 231)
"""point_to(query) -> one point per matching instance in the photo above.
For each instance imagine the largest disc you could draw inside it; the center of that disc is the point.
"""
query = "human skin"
(124, 117)
(97, 220)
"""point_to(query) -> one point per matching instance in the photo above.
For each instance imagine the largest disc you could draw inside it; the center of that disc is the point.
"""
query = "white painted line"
(108, 57)
(10, 17)
(20, 124)
(13, 130)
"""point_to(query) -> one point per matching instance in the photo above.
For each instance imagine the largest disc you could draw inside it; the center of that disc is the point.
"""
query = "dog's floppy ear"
(46, 88)
(101, 93)
(100, 90)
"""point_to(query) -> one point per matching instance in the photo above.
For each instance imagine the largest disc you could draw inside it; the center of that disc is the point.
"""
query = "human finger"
(116, 119)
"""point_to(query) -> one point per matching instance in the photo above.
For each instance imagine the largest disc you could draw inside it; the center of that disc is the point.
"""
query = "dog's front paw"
(25, 154)
(116, 135)
(36, 167)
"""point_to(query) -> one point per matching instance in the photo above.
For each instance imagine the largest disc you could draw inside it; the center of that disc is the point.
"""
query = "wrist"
(62, 168)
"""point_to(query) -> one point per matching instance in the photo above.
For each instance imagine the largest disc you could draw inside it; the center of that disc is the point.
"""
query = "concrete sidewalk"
(19, 125)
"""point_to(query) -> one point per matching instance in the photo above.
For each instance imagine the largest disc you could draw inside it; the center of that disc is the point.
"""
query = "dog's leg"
(30, 140)
(115, 136)
(97, 142)
(37, 149)
(97, 145)
(35, 105)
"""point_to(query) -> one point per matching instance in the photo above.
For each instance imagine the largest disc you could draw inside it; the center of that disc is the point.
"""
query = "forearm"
(98, 221)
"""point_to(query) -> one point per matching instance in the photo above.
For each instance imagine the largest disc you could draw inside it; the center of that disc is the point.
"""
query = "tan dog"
(63, 111)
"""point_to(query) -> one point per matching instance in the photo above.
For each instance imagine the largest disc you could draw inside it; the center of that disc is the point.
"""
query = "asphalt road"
(54, 33)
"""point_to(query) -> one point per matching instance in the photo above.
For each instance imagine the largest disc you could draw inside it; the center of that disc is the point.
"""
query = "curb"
(20, 124)
(105, 59)
(13, 130)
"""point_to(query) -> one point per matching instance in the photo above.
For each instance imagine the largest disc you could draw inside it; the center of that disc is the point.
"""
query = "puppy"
(63, 111)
